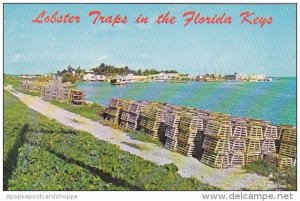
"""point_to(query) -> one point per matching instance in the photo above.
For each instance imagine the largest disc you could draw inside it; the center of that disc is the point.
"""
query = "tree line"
(68, 74)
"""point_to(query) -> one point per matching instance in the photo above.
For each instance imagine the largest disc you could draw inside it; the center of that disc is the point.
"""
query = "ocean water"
(274, 101)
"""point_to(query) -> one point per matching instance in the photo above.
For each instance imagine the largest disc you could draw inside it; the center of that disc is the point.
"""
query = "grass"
(10, 80)
(261, 167)
(137, 135)
(134, 145)
(285, 178)
(18, 87)
(76, 121)
(16, 82)
(53, 173)
(90, 111)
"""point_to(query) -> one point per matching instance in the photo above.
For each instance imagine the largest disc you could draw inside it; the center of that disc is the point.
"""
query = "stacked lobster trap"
(124, 120)
(56, 90)
(113, 111)
(152, 119)
(33, 86)
(130, 113)
(286, 156)
(144, 116)
(216, 139)
(254, 141)
(191, 128)
(172, 121)
(77, 97)
(238, 145)
(216, 143)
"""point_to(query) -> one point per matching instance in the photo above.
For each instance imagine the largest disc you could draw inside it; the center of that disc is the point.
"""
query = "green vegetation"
(261, 167)
(134, 145)
(15, 127)
(16, 82)
(137, 135)
(50, 172)
(285, 178)
(48, 153)
(111, 70)
(150, 72)
(10, 80)
(82, 148)
(18, 87)
(68, 77)
(90, 111)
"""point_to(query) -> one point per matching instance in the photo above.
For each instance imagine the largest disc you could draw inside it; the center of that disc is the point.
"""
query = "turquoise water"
(274, 101)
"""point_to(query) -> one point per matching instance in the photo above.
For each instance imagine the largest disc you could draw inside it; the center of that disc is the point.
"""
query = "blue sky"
(194, 49)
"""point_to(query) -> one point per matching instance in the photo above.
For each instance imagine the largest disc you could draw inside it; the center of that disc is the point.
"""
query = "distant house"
(89, 77)
(199, 78)
(257, 77)
(231, 77)
(100, 78)
(242, 77)
(26, 76)
(89, 71)
(166, 76)
(172, 75)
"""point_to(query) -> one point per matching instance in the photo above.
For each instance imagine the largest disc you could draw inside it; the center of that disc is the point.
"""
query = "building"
(258, 77)
(26, 76)
(89, 77)
(172, 75)
(242, 77)
(198, 78)
(166, 76)
(100, 78)
(231, 77)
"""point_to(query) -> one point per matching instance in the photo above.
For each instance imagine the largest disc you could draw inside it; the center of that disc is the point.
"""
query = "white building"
(166, 76)
(257, 77)
(100, 78)
(242, 76)
(134, 78)
(89, 71)
(89, 77)
(172, 75)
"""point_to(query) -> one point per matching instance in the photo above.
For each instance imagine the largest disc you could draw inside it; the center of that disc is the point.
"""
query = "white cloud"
(17, 58)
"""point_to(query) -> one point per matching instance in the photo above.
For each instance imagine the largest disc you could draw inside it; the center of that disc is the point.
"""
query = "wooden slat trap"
(237, 159)
(287, 150)
(189, 149)
(171, 144)
(214, 145)
(215, 160)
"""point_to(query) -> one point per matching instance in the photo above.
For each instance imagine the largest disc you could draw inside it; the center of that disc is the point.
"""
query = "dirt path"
(229, 179)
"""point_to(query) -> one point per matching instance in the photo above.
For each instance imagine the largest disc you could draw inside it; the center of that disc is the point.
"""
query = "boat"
(268, 79)
(118, 82)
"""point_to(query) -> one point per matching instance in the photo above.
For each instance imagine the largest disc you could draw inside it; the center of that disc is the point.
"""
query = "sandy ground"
(229, 179)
